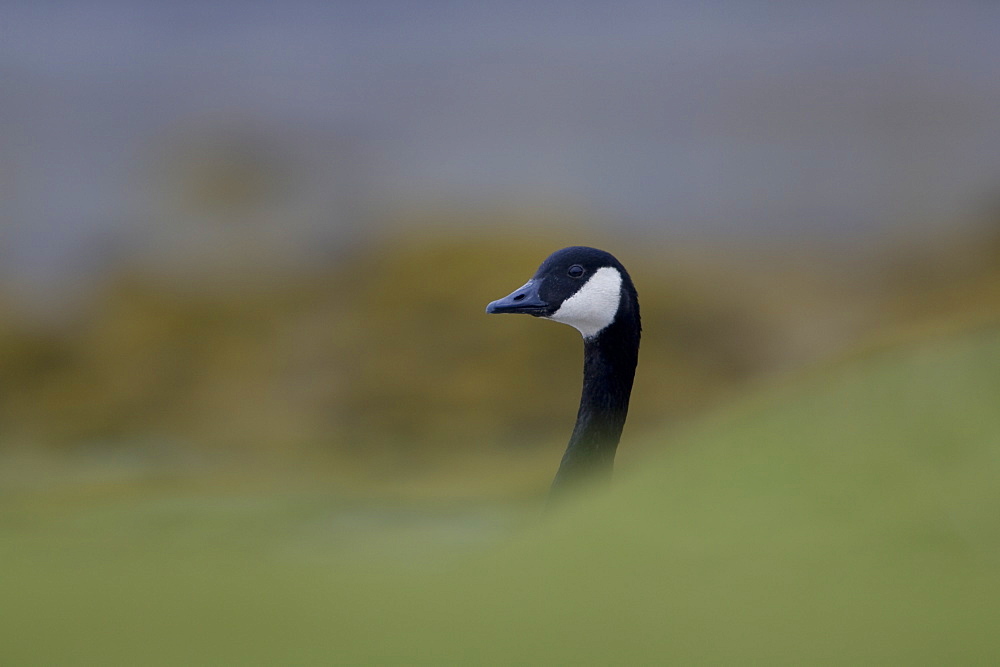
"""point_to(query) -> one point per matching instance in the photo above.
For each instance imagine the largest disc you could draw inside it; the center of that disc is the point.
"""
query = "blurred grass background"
(251, 410)
(846, 517)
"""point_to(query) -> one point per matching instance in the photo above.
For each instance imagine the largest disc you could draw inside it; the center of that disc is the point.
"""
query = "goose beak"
(522, 300)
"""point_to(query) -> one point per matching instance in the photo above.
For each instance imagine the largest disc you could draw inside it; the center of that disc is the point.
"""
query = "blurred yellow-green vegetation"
(381, 361)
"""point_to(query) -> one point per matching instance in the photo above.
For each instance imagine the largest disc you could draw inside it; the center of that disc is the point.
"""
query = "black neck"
(609, 361)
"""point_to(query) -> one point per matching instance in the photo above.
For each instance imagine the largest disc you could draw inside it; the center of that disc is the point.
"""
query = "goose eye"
(575, 271)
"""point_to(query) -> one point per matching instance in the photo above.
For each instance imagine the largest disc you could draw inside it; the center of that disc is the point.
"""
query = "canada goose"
(590, 290)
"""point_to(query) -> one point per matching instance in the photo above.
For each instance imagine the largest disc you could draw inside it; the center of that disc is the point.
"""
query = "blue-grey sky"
(715, 118)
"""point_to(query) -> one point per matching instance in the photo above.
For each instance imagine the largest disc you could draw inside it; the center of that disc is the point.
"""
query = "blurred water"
(687, 118)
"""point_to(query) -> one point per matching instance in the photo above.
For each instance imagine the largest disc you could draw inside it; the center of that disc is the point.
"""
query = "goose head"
(583, 287)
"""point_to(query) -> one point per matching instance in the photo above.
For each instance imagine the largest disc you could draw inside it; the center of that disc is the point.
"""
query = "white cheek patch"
(594, 305)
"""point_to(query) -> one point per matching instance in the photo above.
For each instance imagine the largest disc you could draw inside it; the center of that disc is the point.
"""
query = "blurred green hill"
(848, 517)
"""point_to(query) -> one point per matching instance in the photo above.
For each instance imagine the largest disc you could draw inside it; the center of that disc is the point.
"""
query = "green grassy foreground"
(852, 518)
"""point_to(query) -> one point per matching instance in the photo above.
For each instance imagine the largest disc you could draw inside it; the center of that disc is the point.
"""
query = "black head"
(580, 286)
